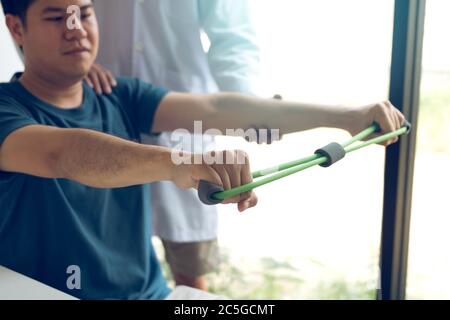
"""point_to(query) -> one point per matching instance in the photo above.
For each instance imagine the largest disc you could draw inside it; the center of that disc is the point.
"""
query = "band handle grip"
(206, 190)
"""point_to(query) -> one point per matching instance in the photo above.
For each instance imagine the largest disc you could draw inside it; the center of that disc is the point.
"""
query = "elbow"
(61, 158)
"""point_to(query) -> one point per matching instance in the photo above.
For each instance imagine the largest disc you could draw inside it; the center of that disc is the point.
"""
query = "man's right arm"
(100, 160)
(89, 157)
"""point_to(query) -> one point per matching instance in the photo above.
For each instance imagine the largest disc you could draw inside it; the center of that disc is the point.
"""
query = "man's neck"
(61, 95)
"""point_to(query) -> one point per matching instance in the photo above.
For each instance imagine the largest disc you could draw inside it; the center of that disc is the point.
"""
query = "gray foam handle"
(408, 126)
(205, 191)
(333, 152)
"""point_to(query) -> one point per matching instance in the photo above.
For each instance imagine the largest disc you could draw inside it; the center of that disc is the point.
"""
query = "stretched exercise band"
(212, 194)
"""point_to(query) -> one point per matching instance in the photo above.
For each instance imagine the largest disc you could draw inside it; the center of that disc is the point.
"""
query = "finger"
(395, 115)
(223, 174)
(111, 78)
(88, 82)
(104, 81)
(396, 122)
(246, 177)
(250, 203)
(389, 122)
(396, 119)
(233, 168)
(401, 117)
(96, 83)
(233, 172)
(227, 184)
(384, 120)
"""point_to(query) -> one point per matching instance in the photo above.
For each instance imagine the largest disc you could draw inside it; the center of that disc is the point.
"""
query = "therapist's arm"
(234, 54)
(237, 111)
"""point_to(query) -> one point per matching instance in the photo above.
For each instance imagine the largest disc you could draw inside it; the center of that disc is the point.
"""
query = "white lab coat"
(159, 41)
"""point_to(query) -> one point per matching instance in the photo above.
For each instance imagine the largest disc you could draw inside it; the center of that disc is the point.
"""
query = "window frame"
(404, 92)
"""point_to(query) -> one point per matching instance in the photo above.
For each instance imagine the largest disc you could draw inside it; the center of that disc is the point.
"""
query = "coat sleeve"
(234, 54)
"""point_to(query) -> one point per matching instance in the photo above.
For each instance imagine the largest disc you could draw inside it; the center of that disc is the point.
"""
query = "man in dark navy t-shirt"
(47, 225)
(73, 175)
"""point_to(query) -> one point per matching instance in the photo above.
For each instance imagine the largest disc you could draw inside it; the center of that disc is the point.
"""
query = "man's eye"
(54, 18)
(85, 16)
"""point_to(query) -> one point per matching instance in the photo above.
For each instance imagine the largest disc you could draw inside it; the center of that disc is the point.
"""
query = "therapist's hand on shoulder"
(228, 169)
(100, 79)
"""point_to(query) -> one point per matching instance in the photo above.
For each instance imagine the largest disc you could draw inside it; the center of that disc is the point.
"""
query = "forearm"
(239, 111)
(104, 161)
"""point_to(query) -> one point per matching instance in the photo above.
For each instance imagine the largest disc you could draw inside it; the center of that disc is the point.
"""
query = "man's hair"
(17, 8)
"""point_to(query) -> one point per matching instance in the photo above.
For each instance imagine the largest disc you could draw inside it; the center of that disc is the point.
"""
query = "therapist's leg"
(191, 261)
(193, 282)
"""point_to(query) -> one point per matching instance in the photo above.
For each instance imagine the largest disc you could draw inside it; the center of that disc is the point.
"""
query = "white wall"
(9, 60)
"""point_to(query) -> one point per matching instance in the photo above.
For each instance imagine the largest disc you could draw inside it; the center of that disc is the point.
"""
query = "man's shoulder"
(126, 80)
(135, 83)
(130, 87)
(126, 86)
(129, 82)
(10, 88)
(6, 87)
(8, 92)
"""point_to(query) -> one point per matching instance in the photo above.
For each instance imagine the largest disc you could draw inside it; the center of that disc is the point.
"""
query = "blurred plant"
(342, 289)
(272, 279)
(269, 278)
(434, 114)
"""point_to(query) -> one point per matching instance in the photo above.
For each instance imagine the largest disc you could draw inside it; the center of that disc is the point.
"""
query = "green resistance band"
(212, 194)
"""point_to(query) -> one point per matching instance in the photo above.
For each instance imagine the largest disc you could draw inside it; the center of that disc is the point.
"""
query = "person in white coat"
(160, 42)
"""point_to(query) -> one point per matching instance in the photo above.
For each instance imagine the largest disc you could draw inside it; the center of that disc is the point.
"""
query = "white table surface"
(14, 286)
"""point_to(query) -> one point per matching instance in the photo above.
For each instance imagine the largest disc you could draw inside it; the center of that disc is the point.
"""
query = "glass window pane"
(429, 257)
(315, 234)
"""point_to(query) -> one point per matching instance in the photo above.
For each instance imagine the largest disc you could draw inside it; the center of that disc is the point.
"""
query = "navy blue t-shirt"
(47, 226)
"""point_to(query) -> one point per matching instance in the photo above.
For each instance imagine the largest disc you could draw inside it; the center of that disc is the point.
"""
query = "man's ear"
(16, 28)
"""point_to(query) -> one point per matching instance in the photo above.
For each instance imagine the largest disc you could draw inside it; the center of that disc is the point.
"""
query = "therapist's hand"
(100, 79)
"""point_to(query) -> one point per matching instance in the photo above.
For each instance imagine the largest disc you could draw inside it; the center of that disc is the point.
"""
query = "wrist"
(178, 165)
(345, 117)
(161, 164)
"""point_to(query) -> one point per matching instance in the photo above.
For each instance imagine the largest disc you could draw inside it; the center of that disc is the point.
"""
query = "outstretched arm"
(236, 111)
(104, 161)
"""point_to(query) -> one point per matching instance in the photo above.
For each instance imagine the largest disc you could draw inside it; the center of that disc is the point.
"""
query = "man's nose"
(74, 29)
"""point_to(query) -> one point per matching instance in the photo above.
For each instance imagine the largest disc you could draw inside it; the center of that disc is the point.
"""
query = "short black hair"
(17, 7)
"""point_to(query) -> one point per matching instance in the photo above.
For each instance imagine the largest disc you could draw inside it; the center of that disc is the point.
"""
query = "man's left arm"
(234, 54)
(224, 111)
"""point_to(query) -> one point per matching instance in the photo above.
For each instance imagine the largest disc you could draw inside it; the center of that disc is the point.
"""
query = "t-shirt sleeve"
(141, 100)
(12, 117)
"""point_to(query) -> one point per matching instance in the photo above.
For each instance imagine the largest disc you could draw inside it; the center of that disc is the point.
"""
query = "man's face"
(57, 44)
